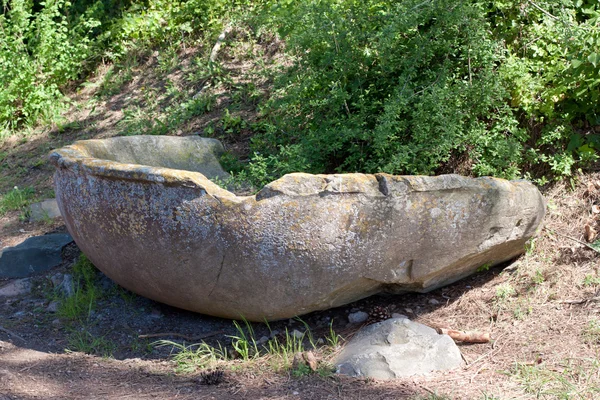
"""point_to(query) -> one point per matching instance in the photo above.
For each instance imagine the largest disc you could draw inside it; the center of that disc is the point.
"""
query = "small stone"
(297, 334)
(397, 348)
(295, 393)
(56, 280)
(66, 287)
(44, 210)
(16, 288)
(53, 306)
(19, 314)
(155, 313)
(320, 341)
(274, 333)
(56, 322)
(358, 317)
(263, 340)
(397, 315)
(433, 301)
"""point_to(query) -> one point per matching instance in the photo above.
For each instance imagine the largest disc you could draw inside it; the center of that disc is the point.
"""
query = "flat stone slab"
(145, 212)
(36, 254)
(44, 210)
(396, 348)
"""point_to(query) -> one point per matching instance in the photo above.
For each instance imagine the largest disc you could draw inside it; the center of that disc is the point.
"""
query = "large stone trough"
(146, 213)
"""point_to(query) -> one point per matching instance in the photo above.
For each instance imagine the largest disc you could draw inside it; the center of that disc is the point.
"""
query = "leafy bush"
(487, 88)
(44, 46)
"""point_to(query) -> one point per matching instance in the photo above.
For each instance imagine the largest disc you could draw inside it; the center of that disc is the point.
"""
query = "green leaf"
(595, 245)
(594, 58)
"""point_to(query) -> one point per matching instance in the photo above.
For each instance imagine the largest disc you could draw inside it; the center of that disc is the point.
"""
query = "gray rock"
(53, 306)
(14, 288)
(297, 334)
(397, 348)
(44, 210)
(398, 315)
(67, 287)
(358, 317)
(274, 333)
(263, 340)
(145, 212)
(56, 280)
(36, 254)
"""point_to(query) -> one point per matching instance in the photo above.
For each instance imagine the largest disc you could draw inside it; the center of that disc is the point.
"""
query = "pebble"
(397, 315)
(297, 334)
(434, 301)
(263, 339)
(53, 306)
(56, 279)
(274, 333)
(66, 287)
(358, 317)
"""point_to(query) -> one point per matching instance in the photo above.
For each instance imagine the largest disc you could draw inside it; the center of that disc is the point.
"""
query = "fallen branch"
(175, 334)
(597, 298)
(11, 333)
(214, 53)
(466, 337)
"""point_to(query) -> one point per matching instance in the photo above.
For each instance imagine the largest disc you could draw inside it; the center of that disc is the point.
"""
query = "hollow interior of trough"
(190, 153)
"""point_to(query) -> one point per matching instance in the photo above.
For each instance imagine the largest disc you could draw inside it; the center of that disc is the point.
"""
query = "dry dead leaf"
(590, 233)
(310, 359)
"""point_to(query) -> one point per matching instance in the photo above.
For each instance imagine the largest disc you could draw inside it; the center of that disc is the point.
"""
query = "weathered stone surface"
(36, 254)
(397, 348)
(16, 287)
(302, 243)
(44, 210)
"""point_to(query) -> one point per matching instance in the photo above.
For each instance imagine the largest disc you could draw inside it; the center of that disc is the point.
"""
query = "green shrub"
(419, 87)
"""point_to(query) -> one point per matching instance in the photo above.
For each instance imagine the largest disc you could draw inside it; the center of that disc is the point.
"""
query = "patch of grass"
(572, 379)
(114, 80)
(84, 341)
(189, 358)
(505, 291)
(85, 291)
(16, 199)
(523, 309)
(591, 280)
(278, 351)
(244, 343)
(591, 333)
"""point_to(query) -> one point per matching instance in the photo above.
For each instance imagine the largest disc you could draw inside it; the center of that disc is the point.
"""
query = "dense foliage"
(500, 87)
(416, 86)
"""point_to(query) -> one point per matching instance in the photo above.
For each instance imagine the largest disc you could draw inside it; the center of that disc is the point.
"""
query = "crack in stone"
(218, 277)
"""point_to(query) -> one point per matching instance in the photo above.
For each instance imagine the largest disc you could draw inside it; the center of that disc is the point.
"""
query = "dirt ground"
(542, 309)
